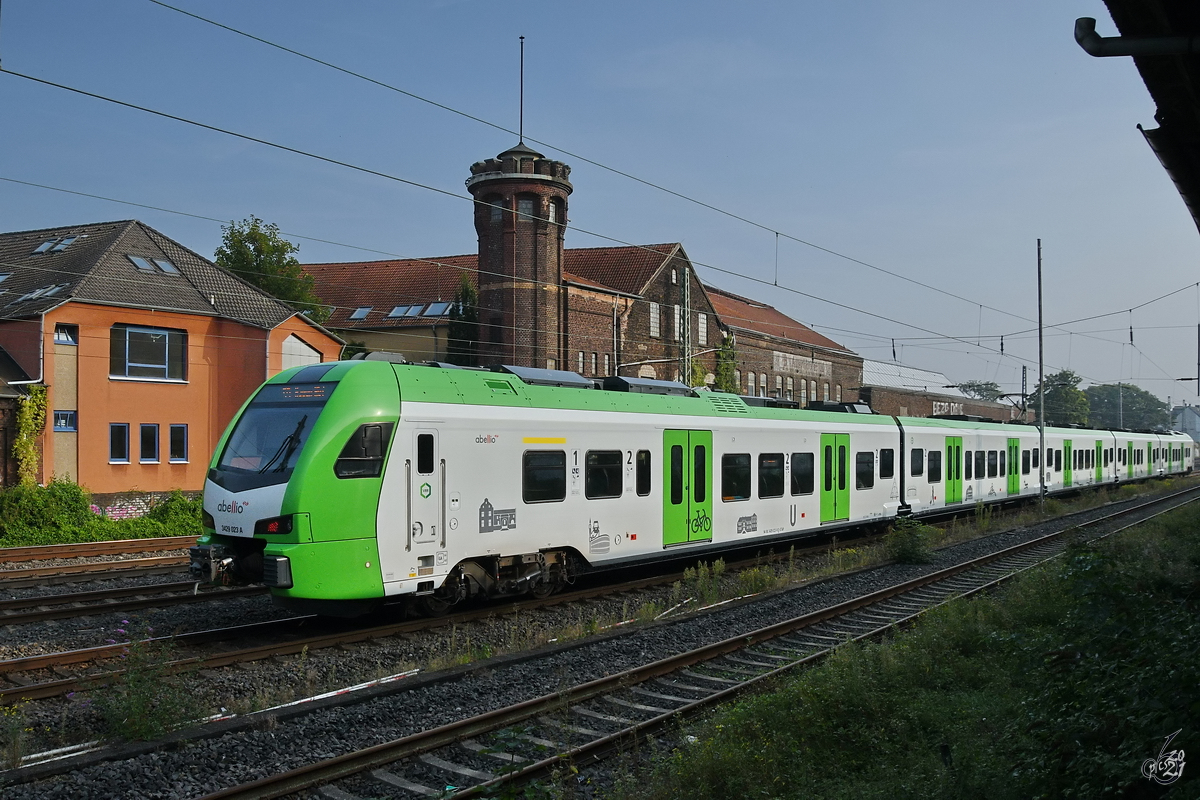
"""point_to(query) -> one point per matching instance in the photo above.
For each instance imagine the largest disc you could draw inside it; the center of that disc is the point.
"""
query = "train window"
(676, 474)
(1025, 462)
(980, 464)
(362, 457)
(802, 473)
(993, 463)
(425, 453)
(887, 463)
(1049, 457)
(1037, 457)
(917, 462)
(1058, 460)
(699, 479)
(770, 475)
(1106, 457)
(1003, 471)
(602, 474)
(735, 476)
(864, 470)
(935, 466)
(968, 463)
(544, 476)
(643, 472)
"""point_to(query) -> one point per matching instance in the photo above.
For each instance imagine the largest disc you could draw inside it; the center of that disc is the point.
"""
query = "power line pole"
(1041, 390)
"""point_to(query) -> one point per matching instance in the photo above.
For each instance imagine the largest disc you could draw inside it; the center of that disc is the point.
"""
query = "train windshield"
(266, 443)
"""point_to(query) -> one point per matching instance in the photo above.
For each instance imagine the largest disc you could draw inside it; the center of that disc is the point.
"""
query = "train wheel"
(431, 606)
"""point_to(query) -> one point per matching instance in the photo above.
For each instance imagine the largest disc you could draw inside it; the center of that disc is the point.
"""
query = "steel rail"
(87, 549)
(329, 770)
(93, 570)
(108, 601)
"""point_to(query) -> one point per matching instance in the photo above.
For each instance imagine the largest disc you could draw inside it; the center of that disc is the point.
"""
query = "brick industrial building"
(632, 310)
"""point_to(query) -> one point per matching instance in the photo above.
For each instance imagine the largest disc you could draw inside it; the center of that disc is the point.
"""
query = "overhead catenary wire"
(417, 184)
(584, 159)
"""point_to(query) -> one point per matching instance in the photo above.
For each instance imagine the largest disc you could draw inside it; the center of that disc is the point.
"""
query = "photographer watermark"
(1168, 767)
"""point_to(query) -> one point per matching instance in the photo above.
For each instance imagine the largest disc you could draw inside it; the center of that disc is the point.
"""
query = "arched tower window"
(496, 207)
(524, 209)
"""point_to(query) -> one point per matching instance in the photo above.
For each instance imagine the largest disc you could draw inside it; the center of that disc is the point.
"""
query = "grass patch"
(1059, 687)
(145, 701)
(61, 512)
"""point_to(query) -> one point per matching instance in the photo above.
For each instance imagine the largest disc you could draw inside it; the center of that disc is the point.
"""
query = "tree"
(981, 390)
(254, 251)
(1065, 403)
(462, 346)
(725, 381)
(1126, 406)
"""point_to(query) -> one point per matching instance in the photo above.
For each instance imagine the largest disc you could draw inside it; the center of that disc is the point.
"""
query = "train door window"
(1003, 470)
(544, 476)
(602, 474)
(917, 462)
(770, 475)
(993, 463)
(1058, 460)
(642, 469)
(1025, 462)
(935, 466)
(887, 463)
(968, 463)
(425, 453)
(676, 474)
(699, 476)
(735, 476)
(980, 464)
(864, 469)
(802, 473)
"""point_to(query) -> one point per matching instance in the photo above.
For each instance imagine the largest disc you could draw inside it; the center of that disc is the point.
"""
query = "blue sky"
(935, 140)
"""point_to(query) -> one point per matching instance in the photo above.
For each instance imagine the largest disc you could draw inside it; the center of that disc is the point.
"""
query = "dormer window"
(55, 245)
(361, 312)
(153, 264)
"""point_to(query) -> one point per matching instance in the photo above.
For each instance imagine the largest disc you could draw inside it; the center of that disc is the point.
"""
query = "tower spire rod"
(521, 107)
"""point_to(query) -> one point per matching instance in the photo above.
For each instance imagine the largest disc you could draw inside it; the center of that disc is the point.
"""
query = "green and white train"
(344, 484)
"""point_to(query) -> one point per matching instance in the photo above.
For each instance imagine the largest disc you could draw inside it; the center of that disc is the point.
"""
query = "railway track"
(104, 601)
(76, 571)
(584, 723)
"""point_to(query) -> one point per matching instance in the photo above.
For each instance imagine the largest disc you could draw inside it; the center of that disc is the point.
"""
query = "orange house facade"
(139, 392)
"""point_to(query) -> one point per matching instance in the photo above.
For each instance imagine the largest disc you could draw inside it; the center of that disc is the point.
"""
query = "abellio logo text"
(231, 507)
(486, 438)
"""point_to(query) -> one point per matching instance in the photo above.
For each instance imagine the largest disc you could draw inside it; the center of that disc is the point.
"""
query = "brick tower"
(520, 216)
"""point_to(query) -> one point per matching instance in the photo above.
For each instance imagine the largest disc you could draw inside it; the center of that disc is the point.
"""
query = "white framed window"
(580, 369)
(779, 386)
(118, 443)
(750, 384)
(155, 353)
(702, 328)
(839, 393)
(655, 330)
(607, 368)
(790, 388)
(825, 391)
(762, 384)
(148, 443)
(66, 334)
(737, 378)
(179, 444)
(594, 356)
(678, 325)
(524, 208)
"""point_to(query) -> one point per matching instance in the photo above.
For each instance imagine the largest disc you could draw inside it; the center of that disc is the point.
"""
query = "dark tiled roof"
(383, 285)
(741, 312)
(627, 269)
(95, 268)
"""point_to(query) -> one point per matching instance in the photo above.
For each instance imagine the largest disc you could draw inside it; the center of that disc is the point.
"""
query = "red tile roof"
(741, 312)
(383, 285)
(626, 268)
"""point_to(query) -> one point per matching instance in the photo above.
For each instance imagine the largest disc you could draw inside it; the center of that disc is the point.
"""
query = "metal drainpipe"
(1103, 46)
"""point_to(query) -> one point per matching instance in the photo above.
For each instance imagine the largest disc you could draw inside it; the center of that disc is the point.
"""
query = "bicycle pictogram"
(700, 523)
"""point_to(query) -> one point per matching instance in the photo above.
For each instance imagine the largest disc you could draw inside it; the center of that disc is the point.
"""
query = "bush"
(62, 512)
(908, 543)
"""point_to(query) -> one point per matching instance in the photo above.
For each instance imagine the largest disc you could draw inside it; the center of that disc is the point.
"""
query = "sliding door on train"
(1067, 475)
(954, 484)
(1014, 462)
(687, 486)
(835, 489)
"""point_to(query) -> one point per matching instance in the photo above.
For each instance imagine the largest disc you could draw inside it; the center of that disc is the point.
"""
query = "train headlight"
(273, 526)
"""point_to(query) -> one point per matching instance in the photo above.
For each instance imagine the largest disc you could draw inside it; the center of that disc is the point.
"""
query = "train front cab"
(316, 535)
